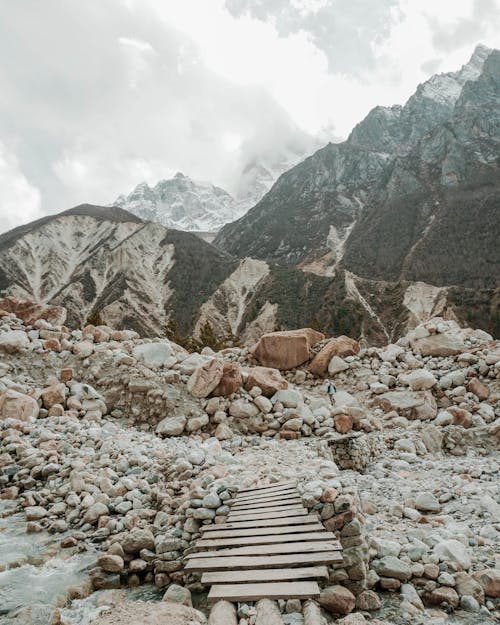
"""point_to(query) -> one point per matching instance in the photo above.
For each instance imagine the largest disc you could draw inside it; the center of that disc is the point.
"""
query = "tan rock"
(441, 595)
(16, 405)
(465, 584)
(337, 600)
(480, 390)
(444, 344)
(329, 495)
(343, 423)
(66, 374)
(230, 382)
(490, 581)
(286, 350)
(288, 435)
(269, 380)
(205, 378)
(54, 394)
(30, 312)
(110, 563)
(53, 345)
(340, 346)
(460, 416)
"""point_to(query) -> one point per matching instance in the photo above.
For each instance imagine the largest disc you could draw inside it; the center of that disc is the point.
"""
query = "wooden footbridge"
(270, 547)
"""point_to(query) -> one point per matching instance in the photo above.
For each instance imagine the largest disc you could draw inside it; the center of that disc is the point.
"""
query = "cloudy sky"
(98, 95)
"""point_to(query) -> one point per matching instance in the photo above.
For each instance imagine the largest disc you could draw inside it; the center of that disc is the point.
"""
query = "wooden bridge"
(270, 547)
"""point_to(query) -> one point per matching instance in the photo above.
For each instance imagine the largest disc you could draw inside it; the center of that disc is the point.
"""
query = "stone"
(29, 312)
(211, 501)
(13, 341)
(460, 416)
(269, 380)
(490, 582)
(223, 432)
(444, 344)
(197, 422)
(390, 566)
(480, 390)
(453, 551)
(110, 563)
(95, 511)
(138, 539)
(83, 349)
(154, 355)
(336, 365)
(223, 613)
(285, 350)
(409, 593)
(337, 600)
(263, 404)
(14, 405)
(410, 404)
(171, 426)
(230, 382)
(419, 379)
(427, 502)
(242, 409)
(441, 596)
(205, 378)
(54, 394)
(148, 613)
(343, 423)
(368, 601)
(466, 584)
(178, 594)
(35, 513)
(289, 398)
(341, 346)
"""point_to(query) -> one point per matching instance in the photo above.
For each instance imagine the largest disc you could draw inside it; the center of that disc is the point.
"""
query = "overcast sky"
(98, 95)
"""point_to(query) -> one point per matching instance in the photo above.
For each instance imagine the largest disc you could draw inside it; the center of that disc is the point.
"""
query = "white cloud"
(19, 201)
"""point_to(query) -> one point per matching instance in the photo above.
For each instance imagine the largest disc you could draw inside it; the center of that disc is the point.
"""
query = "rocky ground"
(114, 450)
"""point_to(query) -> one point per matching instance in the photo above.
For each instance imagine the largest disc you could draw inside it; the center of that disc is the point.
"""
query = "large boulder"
(269, 380)
(29, 312)
(155, 355)
(54, 394)
(171, 426)
(153, 613)
(16, 405)
(443, 344)
(341, 346)
(230, 382)
(410, 404)
(286, 350)
(13, 341)
(205, 378)
(490, 582)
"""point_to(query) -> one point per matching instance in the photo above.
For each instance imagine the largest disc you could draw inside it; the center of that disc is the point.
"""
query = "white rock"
(419, 379)
(13, 341)
(453, 551)
(336, 365)
(155, 355)
(171, 426)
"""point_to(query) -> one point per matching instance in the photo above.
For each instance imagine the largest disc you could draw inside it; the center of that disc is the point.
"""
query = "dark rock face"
(413, 194)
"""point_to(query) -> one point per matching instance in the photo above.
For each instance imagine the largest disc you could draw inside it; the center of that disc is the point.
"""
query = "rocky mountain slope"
(108, 265)
(413, 193)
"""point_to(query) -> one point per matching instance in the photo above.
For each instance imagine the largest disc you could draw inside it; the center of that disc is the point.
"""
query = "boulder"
(154, 355)
(13, 341)
(230, 382)
(269, 380)
(242, 409)
(490, 582)
(54, 394)
(460, 416)
(337, 364)
(138, 539)
(171, 426)
(178, 594)
(419, 379)
(343, 423)
(29, 312)
(443, 595)
(444, 344)
(152, 613)
(341, 346)
(454, 552)
(481, 391)
(16, 405)
(390, 566)
(286, 350)
(110, 563)
(337, 600)
(410, 404)
(205, 378)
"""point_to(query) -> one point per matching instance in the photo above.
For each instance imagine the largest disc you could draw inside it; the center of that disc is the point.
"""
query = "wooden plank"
(267, 486)
(279, 513)
(264, 539)
(264, 575)
(270, 590)
(266, 562)
(265, 523)
(272, 508)
(268, 504)
(255, 531)
(262, 550)
(280, 493)
(245, 502)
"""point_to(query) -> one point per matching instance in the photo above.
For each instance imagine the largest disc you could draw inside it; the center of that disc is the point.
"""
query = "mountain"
(182, 203)
(412, 194)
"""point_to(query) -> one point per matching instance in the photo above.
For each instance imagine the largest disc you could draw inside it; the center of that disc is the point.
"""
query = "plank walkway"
(270, 547)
